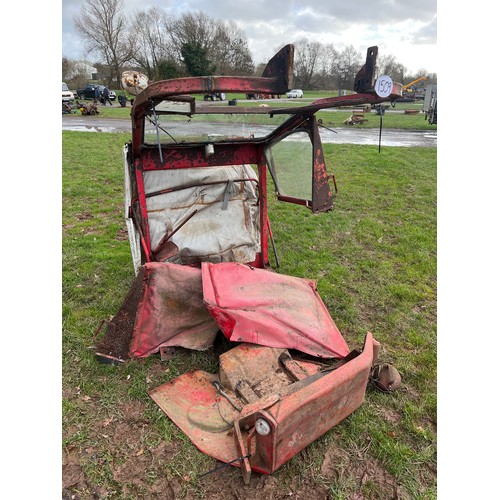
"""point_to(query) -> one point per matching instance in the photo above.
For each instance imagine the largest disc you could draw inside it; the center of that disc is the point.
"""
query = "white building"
(83, 68)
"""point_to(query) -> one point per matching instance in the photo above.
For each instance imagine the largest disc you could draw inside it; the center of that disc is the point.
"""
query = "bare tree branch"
(105, 31)
(154, 44)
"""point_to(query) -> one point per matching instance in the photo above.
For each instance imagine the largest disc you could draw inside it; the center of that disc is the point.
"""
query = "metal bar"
(322, 198)
(168, 236)
(272, 243)
(335, 102)
(211, 109)
(218, 386)
(193, 155)
(291, 199)
(189, 186)
(264, 231)
(225, 201)
(157, 134)
(143, 208)
(137, 223)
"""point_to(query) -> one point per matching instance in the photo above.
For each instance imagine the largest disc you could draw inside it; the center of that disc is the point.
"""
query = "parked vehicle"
(430, 104)
(89, 92)
(215, 96)
(295, 93)
(410, 92)
(196, 211)
(67, 95)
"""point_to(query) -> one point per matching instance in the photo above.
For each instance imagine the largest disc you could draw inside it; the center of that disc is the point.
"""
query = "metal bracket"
(226, 194)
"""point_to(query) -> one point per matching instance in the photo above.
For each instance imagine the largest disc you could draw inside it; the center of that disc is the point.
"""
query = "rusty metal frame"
(277, 78)
(322, 199)
(315, 400)
(295, 415)
(316, 403)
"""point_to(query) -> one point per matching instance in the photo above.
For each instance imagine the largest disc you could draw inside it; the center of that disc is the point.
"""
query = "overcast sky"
(403, 28)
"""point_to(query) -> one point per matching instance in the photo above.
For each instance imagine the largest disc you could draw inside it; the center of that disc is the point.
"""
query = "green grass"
(374, 258)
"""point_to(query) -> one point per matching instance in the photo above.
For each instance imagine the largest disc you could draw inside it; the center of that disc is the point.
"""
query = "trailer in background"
(430, 104)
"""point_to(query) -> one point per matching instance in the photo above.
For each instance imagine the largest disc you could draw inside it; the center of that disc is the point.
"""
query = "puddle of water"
(86, 128)
(340, 136)
(371, 137)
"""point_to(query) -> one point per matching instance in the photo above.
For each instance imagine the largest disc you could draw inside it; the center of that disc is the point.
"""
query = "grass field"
(374, 257)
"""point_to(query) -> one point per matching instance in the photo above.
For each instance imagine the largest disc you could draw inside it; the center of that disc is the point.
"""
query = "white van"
(67, 95)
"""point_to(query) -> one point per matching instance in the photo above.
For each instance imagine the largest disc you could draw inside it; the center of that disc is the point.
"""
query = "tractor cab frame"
(196, 209)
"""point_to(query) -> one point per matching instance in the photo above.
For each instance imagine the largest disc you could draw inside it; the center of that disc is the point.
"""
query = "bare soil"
(140, 471)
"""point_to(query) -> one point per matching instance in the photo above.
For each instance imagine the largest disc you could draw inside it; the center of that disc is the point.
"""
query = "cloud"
(398, 27)
(426, 34)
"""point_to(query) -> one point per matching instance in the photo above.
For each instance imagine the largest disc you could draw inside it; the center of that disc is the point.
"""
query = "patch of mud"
(84, 216)
(262, 487)
(365, 475)
(375, 474)
(144, 470)
(122, 234)
(140, 470)
(389, 415)
(335, 462)
(137, 466)
(72, 472)
(410, 392)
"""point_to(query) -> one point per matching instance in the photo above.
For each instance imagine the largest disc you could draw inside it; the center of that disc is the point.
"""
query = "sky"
(402, 28)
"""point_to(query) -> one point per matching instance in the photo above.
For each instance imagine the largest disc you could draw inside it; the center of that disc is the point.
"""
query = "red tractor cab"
(196, 209)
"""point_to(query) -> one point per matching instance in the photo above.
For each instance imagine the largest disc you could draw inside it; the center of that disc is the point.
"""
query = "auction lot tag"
(383, 86)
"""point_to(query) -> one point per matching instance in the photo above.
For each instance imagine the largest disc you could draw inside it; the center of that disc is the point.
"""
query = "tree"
(390, 67)
(329, 62)
(192, 28)
(349, 63)
(165, 70)
(223, 44)
(306, 65)
(104, 30)
(231, 53)
(259, 69)
(433, 79)
(196, 59)
(153, 43)
(68, 67)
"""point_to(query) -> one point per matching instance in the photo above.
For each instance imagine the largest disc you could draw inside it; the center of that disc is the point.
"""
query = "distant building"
(83, 68)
